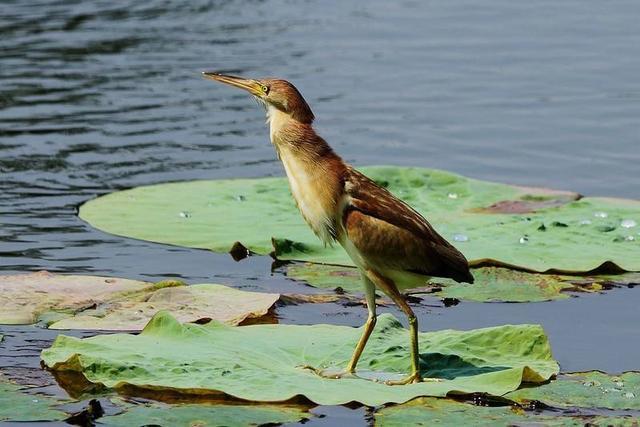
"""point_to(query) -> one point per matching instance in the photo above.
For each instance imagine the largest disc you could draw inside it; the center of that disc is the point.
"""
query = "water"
(97, 96)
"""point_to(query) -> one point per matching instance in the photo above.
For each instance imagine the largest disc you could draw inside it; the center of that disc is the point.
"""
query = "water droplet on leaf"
(185, 214)
(452, 195)
(629, 395)
(459, 237)
(600, 214)
(524, 240)
(241, 198)
(585, 222)
(628, 223)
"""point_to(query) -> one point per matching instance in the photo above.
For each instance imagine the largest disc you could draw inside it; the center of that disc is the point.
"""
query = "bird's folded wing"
(393, 235)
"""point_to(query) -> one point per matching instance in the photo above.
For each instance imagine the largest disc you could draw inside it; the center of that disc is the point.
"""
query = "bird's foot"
(330, 373)
(413, 379)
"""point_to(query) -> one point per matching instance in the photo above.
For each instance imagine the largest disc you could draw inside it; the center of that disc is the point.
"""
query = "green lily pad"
(264, 362)
(492, 224)
(325, 276)
(587, 390)
(187, 303)
(491, 283)
(204, 415)
(431, 411)
(570, 394)
(501, 284)
(17, 405)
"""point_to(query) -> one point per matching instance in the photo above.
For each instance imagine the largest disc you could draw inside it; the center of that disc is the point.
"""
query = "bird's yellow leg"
(389, 288)
(370, 295)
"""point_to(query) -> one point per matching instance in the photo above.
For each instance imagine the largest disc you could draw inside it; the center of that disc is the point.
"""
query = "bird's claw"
(326, 373)
(413, 379)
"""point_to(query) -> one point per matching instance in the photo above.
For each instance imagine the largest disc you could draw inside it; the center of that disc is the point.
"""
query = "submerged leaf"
(205, 415)
(492, 233)
(326, 276)
(18, 405)
(491, 283)
(264, 362)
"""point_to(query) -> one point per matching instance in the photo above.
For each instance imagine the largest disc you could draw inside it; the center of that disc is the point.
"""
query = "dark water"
(97, 96)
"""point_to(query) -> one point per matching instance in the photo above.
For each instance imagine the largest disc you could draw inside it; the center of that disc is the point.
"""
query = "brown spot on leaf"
(521, 206)
(532, 199)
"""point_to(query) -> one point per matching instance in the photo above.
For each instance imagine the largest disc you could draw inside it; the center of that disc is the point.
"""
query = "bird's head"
(273, 93)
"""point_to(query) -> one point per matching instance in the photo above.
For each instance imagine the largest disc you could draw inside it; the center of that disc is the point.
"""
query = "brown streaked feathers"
(394, 236)
(382, 227)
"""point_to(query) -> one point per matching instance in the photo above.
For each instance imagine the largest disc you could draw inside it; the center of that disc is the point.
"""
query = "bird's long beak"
(252, 86)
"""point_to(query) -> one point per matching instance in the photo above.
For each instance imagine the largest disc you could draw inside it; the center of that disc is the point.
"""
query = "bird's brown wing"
(392, 234)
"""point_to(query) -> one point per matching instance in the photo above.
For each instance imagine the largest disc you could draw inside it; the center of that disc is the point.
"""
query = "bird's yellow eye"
(265, 89)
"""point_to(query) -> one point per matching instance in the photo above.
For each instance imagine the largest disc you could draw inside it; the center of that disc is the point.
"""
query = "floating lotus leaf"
(91, 302)
(491, 283)
(24, 297)
(431, 411)
(326, 276)
(186, 303)
(204, 415)
(490, 223)
(587, 390)
(17, 405)
(264, 362)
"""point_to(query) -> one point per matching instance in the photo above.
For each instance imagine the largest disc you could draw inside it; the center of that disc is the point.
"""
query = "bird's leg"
(370, 295)
(389, 288)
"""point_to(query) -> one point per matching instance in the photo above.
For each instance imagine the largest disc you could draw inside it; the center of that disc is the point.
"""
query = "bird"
(394, 247)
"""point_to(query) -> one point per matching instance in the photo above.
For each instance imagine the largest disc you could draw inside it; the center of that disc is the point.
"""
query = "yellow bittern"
(393, 246)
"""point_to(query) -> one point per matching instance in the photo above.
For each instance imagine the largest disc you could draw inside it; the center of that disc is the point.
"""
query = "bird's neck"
(314, 171)
(295, 139)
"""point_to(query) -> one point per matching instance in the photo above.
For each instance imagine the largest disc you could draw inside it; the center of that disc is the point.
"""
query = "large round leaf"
(490, 223)
(587, 390)
(431, 411)
(264, 362)
(575, 398)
